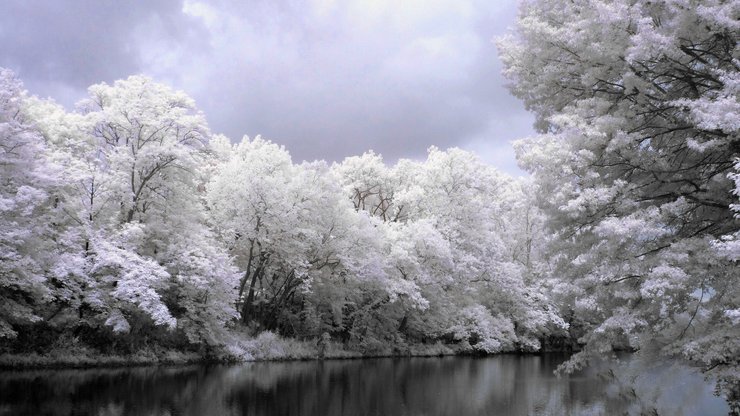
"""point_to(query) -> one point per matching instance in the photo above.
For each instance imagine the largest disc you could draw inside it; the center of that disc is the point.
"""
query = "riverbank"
(265, 347)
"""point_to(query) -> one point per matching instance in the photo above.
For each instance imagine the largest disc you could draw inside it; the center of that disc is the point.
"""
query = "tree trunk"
(247, 307)
(246, 274)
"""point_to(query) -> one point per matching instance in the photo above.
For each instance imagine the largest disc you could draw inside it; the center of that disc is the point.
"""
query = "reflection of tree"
(504, 384)
(655, 386)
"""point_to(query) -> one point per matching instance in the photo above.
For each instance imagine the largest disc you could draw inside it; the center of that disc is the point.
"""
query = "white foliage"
(26, 210)
(636, 165)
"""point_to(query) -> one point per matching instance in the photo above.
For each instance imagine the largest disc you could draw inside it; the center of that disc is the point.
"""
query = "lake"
(457, 386)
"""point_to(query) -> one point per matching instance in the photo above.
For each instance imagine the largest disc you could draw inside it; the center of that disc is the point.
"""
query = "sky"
(327, 79)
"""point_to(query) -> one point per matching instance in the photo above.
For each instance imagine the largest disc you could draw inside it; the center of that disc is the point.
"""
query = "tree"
(26, 211)
(637, 105)
(256, 216)
(469, 202)
(136, 241)
(372, 185)
(301, 247)
(452, 248)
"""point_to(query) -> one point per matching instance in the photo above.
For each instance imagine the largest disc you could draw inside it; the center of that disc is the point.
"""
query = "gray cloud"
(60, 48)
(326, 79)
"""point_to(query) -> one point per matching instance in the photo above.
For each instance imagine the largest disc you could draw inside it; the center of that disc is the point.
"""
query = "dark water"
(454, 386)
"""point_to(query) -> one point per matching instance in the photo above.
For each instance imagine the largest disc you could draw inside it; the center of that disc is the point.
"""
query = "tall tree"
(258, 218)
(290, 230)
(637, 103)
(26, 211)
(137, 156)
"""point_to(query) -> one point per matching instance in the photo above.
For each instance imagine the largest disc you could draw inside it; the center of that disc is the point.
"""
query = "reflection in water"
(459, 386)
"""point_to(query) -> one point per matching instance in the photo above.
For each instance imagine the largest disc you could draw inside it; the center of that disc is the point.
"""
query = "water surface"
(458, 386)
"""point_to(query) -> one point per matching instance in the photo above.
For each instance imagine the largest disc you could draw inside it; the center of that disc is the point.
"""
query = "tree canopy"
(637, 168)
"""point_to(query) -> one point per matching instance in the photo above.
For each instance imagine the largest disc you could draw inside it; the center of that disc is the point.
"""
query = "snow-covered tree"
(135, 239)
(301, 246)
(468, 202)
(258, 218)
(26, 211)
(455, 244)
(637, 103)
(372, 184)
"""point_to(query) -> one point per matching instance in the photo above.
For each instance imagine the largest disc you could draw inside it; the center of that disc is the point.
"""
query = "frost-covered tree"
(304, 252)
(466, 199)
(26, 211)
(455, 244)
(258, 218)
(135, 239)
(353, 285)
(637, 103)
(372, 184)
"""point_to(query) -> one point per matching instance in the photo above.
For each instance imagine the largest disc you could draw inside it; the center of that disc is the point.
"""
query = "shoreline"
(238, 348)
(85, 362)
(21, 362)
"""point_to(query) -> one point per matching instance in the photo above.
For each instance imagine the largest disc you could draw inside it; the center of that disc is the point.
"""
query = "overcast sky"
(325, 78)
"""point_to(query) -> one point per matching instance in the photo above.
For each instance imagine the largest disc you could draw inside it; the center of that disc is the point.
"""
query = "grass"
(84, 359)
(240, 347)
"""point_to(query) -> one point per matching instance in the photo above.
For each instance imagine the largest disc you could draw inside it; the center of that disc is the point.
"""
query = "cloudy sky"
(325, 78)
